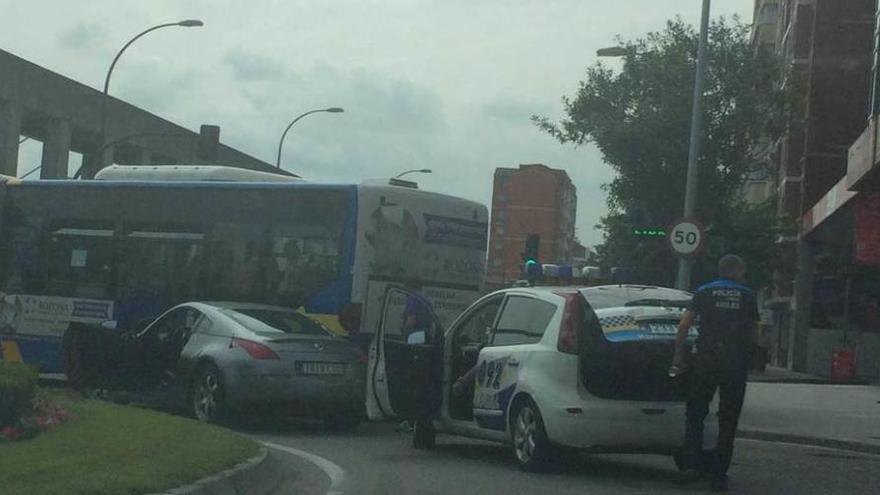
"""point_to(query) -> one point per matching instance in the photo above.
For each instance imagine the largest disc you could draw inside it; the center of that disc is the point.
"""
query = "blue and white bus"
(139, 240)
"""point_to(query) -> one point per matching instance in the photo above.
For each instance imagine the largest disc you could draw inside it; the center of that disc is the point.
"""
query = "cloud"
(81, 36)
(248, 66)
(513, 112)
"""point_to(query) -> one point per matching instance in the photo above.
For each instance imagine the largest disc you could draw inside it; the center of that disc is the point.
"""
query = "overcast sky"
(447, 84)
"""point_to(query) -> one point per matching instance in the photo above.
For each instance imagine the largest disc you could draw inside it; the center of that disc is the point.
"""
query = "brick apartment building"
(531, 199)
(822, 292)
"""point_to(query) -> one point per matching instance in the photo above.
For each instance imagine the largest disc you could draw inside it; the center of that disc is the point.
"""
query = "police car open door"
(405, 366)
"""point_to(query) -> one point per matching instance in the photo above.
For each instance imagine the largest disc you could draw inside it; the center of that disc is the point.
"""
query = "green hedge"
(18, 384)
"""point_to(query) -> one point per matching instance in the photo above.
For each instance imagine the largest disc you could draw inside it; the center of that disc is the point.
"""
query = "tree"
(639, 118)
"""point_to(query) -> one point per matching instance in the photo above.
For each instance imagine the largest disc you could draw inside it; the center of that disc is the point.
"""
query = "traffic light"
(533, 244)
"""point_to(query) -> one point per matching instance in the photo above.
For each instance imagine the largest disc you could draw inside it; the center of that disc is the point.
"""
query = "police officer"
(728, 313)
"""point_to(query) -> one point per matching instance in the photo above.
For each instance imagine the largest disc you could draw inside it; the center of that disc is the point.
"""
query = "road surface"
(376, 460)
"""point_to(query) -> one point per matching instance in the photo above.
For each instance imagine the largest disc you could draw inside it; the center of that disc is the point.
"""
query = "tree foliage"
(639, 118)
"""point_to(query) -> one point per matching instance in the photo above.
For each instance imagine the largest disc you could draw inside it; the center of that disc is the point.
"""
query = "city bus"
(138, 240)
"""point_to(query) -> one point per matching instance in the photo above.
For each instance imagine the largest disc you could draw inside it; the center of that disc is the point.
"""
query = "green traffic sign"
(649, 232)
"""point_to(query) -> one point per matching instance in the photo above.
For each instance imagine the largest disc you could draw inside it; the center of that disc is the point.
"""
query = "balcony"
(862, 171)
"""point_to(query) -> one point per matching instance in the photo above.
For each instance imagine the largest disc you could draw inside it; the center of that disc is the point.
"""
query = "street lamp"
(685, 265)
(281, 143)
(184, 23)
(613, 51)
(414, 171)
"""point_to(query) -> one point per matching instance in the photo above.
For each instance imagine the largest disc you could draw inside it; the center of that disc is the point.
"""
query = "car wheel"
(531, 448)
(207, 396)
(424, 435)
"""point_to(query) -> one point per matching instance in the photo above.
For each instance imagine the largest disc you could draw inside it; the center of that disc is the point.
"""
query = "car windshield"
(633, 295)
(271, 322)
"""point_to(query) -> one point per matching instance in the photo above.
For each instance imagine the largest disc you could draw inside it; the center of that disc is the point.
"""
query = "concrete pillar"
(144, 156)
(10, 132)
(56, 150)
(799, 331)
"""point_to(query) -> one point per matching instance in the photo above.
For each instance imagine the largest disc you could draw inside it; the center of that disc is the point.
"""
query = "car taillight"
(568, 329)
(255, 349)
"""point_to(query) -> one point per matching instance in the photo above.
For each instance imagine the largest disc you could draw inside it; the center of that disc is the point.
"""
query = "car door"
(517, 333)
(162, 343)
(405, 364)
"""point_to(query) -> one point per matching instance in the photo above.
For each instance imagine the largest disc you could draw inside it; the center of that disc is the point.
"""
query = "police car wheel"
(424, 435)
(531, 448)
(678, 458)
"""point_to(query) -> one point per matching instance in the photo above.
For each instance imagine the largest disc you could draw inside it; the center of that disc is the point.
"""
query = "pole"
(685, 266)
(102, 145)
(281, 142)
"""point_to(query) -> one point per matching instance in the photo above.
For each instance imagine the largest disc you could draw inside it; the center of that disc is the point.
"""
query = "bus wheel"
(206, 396)
(71, 358)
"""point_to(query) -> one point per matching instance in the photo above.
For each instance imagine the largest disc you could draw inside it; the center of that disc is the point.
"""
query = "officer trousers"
(730, 382)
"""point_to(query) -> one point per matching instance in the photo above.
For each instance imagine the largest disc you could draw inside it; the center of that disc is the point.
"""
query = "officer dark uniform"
(728, 314)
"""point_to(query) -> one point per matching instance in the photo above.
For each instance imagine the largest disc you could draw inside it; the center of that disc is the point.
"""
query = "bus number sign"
(686, 237)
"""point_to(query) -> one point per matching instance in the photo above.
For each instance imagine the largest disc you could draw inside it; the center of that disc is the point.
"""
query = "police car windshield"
(615, 296)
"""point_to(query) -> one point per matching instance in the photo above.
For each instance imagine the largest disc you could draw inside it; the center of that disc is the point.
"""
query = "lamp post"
(685, 265)
(414, 171)
(184, 23)
(284, 135)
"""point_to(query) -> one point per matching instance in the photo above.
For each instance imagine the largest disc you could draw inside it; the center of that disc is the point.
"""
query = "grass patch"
(112, 449)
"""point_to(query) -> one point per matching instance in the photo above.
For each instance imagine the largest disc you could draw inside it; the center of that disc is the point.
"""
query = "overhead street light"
(284, 135)
(414, 171)
(184, 23)
(614, 51)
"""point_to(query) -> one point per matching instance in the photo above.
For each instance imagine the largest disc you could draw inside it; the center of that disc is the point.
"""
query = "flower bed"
(22, 415)
(44, 415)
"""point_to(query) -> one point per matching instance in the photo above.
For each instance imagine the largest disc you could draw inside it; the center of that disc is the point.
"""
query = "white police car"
(582, 368)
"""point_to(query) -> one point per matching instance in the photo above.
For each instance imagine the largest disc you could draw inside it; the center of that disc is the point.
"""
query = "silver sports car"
(222, 358)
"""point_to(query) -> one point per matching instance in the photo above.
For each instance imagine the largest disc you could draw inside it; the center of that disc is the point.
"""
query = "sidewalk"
(846, 416)
(782, 375)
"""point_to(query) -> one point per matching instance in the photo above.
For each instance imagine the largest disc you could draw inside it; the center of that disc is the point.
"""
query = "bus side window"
(81, 260)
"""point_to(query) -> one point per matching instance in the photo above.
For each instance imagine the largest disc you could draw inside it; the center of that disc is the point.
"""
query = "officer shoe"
(719, 483)
(688, 476)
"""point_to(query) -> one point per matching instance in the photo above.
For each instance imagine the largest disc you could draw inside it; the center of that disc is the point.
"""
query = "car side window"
(522, 321)
(204, 325)
(174, 322)
(476, 327)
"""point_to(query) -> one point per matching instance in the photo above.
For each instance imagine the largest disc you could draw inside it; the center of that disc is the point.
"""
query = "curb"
(252, 476)
(770, 436)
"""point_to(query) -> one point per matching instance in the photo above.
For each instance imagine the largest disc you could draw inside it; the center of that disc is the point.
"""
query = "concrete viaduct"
(66, 116)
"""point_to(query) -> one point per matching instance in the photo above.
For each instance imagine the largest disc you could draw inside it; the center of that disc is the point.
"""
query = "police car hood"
(631, 323)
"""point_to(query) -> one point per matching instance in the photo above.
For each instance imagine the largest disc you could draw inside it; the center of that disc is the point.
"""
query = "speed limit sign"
(686, 237)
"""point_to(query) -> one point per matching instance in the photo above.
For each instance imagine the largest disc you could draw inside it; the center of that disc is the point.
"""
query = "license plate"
(322, 368)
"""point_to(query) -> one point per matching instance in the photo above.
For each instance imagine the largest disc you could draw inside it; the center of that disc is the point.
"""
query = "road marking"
(334, 472)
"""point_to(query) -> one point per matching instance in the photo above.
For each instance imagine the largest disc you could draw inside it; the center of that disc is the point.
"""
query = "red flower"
(11, 433)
